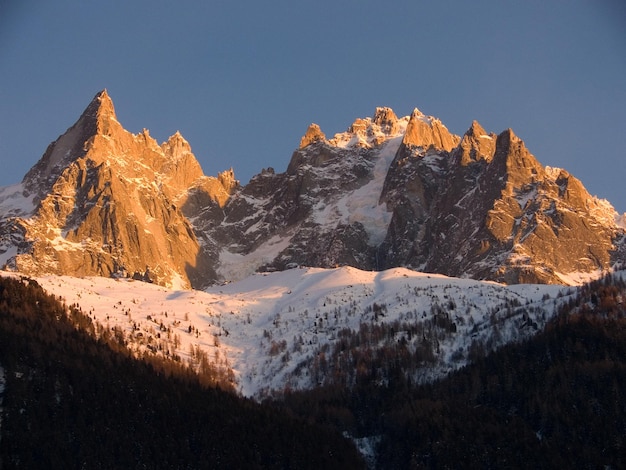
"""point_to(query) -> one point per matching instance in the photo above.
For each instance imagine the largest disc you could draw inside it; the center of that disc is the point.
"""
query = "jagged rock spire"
(313, 134)
(476, 144)
(476, 130)
(101, 105)
(99, 115)
(424, 131)
(387, 120)
(97, 119)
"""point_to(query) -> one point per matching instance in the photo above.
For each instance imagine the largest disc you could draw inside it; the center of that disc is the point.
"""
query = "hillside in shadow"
(71, 401)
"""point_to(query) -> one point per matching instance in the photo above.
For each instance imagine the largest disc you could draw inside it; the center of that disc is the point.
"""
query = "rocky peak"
(370, 132)
(176, 146)
(476, 145)
(101, 110)
(97, 119)
(227, 179)
(180, 167)
(426, 131)
(515, 162)
(108, 199)
(359, 126)
(387, 120)
(476, 130)
(312, 134)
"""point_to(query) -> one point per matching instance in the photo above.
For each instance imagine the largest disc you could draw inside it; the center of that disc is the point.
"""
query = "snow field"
(269, 327)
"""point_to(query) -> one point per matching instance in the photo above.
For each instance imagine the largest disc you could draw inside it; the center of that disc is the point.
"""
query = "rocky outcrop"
(424, 131)
(475, 145)
(313, 134)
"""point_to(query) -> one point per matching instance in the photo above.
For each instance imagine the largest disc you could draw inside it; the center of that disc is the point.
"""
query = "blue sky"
(242, 80)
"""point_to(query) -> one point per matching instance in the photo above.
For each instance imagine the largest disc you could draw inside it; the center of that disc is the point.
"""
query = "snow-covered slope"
(272, 329)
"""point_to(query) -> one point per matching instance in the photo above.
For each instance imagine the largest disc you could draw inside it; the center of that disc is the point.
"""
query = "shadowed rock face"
(388, 192)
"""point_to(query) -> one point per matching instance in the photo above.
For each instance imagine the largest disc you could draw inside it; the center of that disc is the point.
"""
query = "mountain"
(406, 192)
(104, 201)
(388, 192)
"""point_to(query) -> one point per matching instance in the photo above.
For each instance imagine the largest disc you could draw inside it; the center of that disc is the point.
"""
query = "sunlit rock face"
(107, 201)
(488, 209)
(313, 134)
(390, 191)
(426, 131)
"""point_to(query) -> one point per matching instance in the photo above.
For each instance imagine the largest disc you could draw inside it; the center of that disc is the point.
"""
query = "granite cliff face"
(488, 209)
(406, 192)
(387, 192)
(107, 202)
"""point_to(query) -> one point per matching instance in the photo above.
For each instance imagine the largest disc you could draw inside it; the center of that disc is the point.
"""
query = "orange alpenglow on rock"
(387, 192)
(312, 134)
(119, 200)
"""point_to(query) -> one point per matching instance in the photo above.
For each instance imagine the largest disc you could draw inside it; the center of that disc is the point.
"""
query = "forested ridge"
(557, 400)
(71, 401)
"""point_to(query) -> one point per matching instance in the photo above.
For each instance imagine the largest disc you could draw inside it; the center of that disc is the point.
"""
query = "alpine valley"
(382, 292)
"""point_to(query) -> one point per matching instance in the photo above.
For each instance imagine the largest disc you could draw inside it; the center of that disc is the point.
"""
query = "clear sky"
(242, 80)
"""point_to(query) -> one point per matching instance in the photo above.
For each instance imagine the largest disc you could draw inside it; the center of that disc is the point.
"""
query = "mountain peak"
(98, 118)
(386, 119)
(176, 145)
(104, 98)
(510, 135)
(476, 145)
(476, 130)
(116, 199)
(425, 131)
(101, 107)
(313, 134)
